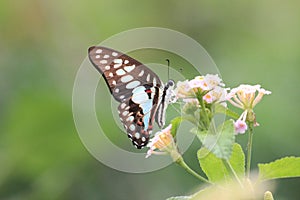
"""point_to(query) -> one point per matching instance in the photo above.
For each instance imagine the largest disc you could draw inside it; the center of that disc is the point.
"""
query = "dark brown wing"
(121, 72)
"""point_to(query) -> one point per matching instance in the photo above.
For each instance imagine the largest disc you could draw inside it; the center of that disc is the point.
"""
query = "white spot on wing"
(99, 51)
(107, 67)
(154, 81)
(117, 90)
(103, 61)
(143, 139)
(110, 74)
(120, 72)
(125, 113)
(117, 65)
(118, 61)
(129, 68)
(123, 105)
(126, 61)
(137, 135)
(122, 97)
(133, 84)
(106, 56)
(97, 56)
(132, 127)
(148, 78)
(114, 82)
(114, 54)
(126, 78)
(141, 73)
(130, 119)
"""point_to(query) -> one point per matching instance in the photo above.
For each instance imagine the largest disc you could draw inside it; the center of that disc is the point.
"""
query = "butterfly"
(142, 96)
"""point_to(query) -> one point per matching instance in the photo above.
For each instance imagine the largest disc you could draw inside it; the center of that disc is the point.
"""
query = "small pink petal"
(240, 126)
(149, 153)
(208, 98)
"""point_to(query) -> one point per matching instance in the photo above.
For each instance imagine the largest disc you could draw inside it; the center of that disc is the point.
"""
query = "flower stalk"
(203, 110)
(249, 149)
(181, 163)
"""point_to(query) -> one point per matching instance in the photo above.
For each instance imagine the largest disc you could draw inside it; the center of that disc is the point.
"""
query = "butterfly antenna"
(168, 61)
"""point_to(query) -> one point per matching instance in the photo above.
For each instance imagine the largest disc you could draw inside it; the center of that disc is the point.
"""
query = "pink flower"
(240, 124)
(208, 98)
(240, 127)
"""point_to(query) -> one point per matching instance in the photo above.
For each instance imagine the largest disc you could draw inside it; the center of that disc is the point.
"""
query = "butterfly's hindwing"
(137, 114)
(138, 89)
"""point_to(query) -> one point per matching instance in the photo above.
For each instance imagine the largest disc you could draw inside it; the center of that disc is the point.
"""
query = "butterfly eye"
(171, 83)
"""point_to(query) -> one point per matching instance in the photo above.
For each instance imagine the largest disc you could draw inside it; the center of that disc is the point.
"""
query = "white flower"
(183, 89)
(246, 96)
(210, 86)
(207, 82)
(163, 143)
(218, 94)
(213, 80)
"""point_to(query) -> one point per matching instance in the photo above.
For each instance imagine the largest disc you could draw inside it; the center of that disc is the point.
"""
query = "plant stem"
(181, 162)
(249, 149)
(206, 119)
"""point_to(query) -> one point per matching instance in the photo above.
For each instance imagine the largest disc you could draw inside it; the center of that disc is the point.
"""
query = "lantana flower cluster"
(246, 97)
(200, 93)
(210, 87)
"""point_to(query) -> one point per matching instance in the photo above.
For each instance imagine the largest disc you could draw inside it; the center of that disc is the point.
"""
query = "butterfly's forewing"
(135, 86)
(121, 72)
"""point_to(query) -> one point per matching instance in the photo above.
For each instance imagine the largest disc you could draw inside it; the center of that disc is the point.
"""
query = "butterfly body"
(142, 96)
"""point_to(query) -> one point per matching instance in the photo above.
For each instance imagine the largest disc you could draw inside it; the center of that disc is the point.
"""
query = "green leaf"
(180, 198)
(221, 109)
(214, 167)
(220, 143)
(175, 124)
(287, 167)
(237, 159)
(232, 114)
(200, 134)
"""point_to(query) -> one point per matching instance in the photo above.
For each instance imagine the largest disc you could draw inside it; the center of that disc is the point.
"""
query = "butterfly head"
(170, 94)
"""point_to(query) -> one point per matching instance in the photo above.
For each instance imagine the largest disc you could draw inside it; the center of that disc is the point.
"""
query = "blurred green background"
(42, 44)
